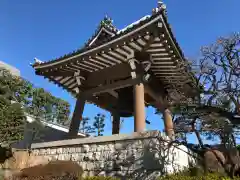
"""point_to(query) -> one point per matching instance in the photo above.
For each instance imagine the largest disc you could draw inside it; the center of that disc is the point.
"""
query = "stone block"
(97, 156)
(53, 151)
(122, 155)
(64, 157)
(72, 150)
(90, 166)
(42, 152)
(35, 152)
(93, 148)
(65, 150)
(78, 149)
(59, 150)
(118, 146)
(89, 156)
(100, 148)
(48, 151)
(86, 148)
(138, 144)
(121, 145)
(99, 165)
(77, 156)
(109, 165)
(106, 155)
(109, 147)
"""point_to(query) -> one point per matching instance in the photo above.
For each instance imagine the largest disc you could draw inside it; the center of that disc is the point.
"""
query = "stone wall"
(138, 156)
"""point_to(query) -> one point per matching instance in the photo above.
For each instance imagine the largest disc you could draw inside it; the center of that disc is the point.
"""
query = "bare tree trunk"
(199, 138)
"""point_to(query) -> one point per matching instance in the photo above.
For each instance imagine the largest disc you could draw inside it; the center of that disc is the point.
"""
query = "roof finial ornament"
(160, 7)
(160, 3)
(108, 22)
(37, 61)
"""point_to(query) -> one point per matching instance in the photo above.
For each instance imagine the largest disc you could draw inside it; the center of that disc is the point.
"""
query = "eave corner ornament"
(160, 7)
(37, 61)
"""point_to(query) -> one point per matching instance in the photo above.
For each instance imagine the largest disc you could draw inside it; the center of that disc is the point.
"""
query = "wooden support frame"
(139, 108)
(115, 122)
(132, 63)
(157, 97)
(54, 73)
(77, 117)
(113, 86)
(168, 123)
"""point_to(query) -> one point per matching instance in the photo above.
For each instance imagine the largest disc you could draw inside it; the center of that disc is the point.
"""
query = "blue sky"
(48, 29)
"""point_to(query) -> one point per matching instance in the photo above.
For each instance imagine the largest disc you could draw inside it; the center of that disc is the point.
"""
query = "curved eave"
(88, 49)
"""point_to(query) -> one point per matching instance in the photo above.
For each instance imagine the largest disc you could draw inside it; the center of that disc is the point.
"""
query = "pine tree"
(99, 124)
(85, 127)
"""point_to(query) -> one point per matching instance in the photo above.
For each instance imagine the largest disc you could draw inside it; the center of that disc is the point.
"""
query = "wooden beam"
(111, 73)
(98, 103)
(113, 86)
(115, 122)
(54, 73)
(113, 93)
(158, 97)
(77, 117)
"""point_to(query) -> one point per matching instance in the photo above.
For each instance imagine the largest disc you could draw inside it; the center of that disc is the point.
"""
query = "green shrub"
(202, 177)
(60, 170)
(100, 178)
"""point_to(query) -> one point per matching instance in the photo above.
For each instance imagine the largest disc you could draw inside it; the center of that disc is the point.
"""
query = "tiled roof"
(129, 28)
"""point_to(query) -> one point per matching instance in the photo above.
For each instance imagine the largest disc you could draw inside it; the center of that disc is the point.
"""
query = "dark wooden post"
(77, 117)
(139, 106)
(115, 123)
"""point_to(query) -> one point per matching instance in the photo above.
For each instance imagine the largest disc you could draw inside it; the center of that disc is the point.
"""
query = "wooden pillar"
(77, 117)
(115, 123)
(168, 122)
(139, 105)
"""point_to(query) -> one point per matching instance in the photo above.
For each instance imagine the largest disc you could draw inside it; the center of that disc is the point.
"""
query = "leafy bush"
(202, 177)
(100, 178)
(59, 170)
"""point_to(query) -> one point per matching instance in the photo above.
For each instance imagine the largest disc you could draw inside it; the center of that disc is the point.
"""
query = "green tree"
(99, 124)
(19, 97)
(13, 92)
(47, 107)
(212, 112)
(85, 127)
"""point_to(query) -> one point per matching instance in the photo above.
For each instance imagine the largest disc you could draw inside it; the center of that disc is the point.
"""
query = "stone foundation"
(138, 156)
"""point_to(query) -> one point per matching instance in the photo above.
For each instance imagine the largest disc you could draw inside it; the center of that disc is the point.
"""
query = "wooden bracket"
(132, 63)
(78, 79)
(113, 86)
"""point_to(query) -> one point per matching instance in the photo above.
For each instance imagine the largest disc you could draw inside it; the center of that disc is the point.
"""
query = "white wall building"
(42, 131)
